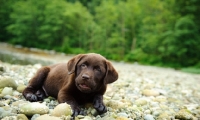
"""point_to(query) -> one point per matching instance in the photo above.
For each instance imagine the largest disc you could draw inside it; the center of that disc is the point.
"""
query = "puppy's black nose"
(84, 76)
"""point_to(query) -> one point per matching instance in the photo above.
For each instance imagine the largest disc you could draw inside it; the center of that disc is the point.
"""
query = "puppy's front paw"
(31, 97)
(78, 111)
(40, 95)
(100, 107)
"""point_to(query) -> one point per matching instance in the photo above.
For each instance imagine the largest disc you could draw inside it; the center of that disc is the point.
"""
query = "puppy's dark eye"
(97, 69)
(83, 65)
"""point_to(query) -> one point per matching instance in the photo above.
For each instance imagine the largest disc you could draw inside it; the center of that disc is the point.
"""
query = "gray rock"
(148, 117)
(21, 117)
(62, 109)
(80, 117)
(156, 112)
(115, 104)
(19, 103)
(10, 118)
(87, 118)
(184, 114)
(160, 99)
(30, 109)
(47, 100)
(7, 82)
(141, 102)
(7, 96)
(7, 102)
(47, 117)
(147, 111)
(94, 112)
(122, 114)
(106, 118)
(1, 110)
(164, 115)
(7, 91)
(4, 113)
(21, 88)
(1, 104)
(35, 116)
(1, 96)
(140, 93)
(150, 92)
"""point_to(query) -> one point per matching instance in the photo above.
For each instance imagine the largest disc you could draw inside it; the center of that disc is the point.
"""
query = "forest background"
(156, 32)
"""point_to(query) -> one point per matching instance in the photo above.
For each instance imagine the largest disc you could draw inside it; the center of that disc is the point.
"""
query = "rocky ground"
(140, 93)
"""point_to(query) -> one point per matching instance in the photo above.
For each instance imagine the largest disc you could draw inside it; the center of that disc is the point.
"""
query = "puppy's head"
(92, 71)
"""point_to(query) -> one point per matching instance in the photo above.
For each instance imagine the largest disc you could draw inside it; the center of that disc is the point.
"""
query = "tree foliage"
(163, 33)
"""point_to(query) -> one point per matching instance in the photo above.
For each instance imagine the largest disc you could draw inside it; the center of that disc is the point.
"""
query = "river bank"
(140, 93)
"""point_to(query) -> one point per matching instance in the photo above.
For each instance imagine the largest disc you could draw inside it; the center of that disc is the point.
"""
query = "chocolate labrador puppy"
(82, 80)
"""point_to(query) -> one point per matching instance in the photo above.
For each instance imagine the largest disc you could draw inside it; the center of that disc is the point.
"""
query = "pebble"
(62, 109)
(122, 118)
(7, 91)
(94, 112)
(115, 104)
(2, 104)
(149, 92)
(147, 111)
(87, 118)
(20, 88)
(107, 118)
(80, 116)
(8, 97)
(4, 113)
(141, 102)
(7, 82)
(122, 114)
(163, 115)
(140, 93)
(148, 117)
(156, 113)
(30, 109)
(47, 117)
(35, 116)
(184, 114)
(21, 117)
(16, 93)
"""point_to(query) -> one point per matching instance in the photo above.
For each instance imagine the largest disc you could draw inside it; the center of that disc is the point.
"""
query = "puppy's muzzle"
(85, 77)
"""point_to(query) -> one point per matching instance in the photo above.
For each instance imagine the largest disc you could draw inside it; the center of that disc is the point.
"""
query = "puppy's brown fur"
(83, 79)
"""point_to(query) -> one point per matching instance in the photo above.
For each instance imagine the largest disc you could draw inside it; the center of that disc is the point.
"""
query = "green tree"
(152, 20)
(114, 23)
(180, 43)
(5, 11)
(49, 25)
(164, 33)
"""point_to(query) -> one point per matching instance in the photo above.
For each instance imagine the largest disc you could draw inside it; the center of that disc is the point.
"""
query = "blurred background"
(156, 32)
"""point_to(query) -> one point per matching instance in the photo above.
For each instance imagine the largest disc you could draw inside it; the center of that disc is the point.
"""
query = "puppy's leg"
(40, 94)
(98, 104)
(64, 97)
(35, 85)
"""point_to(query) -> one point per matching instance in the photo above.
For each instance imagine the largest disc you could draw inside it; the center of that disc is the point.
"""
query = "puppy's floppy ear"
(111, 74)
(71, 65)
